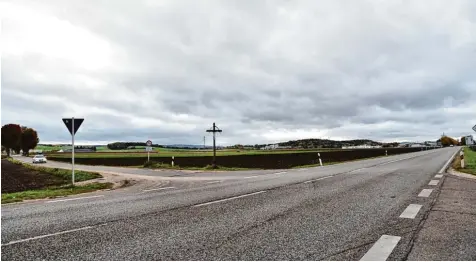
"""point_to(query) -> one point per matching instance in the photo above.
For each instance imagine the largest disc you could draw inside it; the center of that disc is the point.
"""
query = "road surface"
(368, 209)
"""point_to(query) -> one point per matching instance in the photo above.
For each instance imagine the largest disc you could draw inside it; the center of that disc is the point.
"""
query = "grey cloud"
(253, 66)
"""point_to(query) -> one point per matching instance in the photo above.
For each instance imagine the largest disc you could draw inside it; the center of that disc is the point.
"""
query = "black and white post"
(461, 156)
(320, 161)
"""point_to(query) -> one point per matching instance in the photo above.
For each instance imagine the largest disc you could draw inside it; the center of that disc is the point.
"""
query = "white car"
(39, 159)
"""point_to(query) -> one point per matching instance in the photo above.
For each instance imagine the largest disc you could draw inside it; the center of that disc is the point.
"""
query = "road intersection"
(370, 209)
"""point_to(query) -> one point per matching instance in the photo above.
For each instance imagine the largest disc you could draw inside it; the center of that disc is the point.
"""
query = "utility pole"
(203, 142)
(214, 130)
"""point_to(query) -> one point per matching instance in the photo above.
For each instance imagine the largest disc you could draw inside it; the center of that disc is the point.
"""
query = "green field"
(470, 161)
(182, 153)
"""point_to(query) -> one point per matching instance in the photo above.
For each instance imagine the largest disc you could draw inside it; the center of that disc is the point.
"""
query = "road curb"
(448, 163)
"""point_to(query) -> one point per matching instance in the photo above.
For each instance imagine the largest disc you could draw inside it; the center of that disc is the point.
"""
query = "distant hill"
(316, 143)
(327, 143)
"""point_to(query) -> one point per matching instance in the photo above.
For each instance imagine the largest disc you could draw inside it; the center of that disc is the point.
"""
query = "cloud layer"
(264, 71)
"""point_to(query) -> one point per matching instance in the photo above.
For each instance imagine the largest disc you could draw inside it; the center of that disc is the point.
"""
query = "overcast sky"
(264, 71)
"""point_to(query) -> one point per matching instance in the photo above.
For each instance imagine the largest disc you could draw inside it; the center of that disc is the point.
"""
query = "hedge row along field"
(183, 153)
(263, 161)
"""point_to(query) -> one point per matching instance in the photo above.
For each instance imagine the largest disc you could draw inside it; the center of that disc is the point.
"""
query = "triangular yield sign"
(69, 124)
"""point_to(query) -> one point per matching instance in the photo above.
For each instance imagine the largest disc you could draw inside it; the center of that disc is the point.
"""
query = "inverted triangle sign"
(69, 124)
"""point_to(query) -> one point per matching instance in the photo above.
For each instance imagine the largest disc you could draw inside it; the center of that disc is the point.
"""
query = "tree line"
(18, 138)
(128, 145)
(448, 141)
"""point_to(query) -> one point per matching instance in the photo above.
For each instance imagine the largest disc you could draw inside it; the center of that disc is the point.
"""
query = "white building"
(469, 140)
(360, 147)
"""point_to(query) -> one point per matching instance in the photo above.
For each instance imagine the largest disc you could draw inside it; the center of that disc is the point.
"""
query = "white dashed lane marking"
(49, 235)
(433, 182)
(411, 211)
(250, 176)
(317, 179)
(438, 176)
(158, 189)
(425, 193)
(227, 199)
(382, 249)
(71, 199)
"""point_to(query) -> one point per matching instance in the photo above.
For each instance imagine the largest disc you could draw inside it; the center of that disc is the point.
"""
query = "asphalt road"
(334, 212)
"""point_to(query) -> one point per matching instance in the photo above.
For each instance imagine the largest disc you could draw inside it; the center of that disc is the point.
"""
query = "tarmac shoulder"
(449, 232)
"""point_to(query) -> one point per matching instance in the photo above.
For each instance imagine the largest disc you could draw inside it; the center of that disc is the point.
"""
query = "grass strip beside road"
(52, 192)
(469, 161)
(59, 172)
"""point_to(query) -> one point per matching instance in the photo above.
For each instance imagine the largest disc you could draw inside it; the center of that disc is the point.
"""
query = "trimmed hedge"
(265, 161)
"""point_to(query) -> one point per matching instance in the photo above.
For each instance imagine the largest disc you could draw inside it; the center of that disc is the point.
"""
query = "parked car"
(39, 159)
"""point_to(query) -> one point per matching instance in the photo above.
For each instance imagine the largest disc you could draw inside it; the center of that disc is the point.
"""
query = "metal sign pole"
(148, 156)
(73, 151)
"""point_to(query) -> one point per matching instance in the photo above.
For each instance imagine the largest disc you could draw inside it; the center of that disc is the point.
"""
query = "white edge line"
(443, 169)
(213, 182)
(48, 235)
(310, 181)
(411, 211)
(279, 173)
(226, 199)
(250, 176)
(382, 249)
(157, 189)
(71, 199)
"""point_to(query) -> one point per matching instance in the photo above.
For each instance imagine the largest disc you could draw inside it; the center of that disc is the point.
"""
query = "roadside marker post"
(320, 161)
(172, 161)
(461, 156)
(73, 125)
(386, 153)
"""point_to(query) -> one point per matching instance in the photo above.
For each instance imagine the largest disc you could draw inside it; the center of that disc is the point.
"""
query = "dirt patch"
(16, 178)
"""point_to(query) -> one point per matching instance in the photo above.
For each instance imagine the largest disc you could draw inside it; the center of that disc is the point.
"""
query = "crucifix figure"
(214, 130)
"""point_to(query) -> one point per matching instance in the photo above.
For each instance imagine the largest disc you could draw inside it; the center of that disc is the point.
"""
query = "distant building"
(360, 147)
(36, 151)
(469, 140)
(417, 145)
(274, 146)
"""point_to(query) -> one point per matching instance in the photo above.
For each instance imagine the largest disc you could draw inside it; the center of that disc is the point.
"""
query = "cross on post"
(214, 130)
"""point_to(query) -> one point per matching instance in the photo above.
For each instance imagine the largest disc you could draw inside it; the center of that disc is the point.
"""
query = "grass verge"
(59, 172)
(53, 192)
(469, 160)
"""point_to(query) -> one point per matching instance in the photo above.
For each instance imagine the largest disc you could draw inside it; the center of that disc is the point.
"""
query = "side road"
(449, 232)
